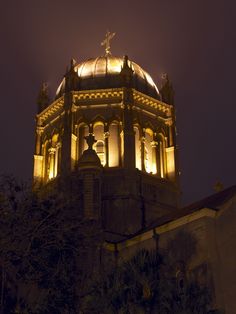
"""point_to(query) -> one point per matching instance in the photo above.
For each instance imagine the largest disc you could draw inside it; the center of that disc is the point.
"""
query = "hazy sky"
(192, 40)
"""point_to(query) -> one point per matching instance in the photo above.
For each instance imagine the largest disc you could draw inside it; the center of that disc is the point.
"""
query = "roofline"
(174, 220)
(153, 232)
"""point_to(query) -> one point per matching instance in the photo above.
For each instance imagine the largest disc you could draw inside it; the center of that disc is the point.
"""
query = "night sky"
(192, 40)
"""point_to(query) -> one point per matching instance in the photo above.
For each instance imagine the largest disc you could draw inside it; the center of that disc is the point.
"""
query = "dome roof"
(104, 72)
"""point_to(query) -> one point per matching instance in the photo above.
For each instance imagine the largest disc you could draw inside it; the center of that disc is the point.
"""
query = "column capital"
(39, 130)
(169, 122)
(154, 143)
(106, 134)
(142, 139)
(52, 150)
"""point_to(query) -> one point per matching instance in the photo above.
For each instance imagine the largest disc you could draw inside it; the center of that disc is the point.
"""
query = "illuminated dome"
(104, 72)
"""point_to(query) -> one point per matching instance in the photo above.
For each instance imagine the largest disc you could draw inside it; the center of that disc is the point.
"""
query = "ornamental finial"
(90, 139)
(106, 42)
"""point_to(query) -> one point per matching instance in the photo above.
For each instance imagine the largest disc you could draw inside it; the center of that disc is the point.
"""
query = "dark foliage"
(146, 284)
(43, 247)
(49, 264)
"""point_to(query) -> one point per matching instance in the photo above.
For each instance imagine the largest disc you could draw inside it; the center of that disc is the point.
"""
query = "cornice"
(56, 106)
(167, 121)
(100, 94)
(105, 96)
(143, 99)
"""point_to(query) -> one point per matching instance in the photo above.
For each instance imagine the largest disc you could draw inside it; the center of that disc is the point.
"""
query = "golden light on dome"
(114, 65)
(106, 65)
(104, 72)
(100, 66)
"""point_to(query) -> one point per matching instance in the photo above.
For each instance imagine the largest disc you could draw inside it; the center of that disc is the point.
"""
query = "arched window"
(98, 130)
(100, 150)
(52, 151)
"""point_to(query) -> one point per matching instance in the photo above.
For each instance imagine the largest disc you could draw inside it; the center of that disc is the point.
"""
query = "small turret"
(126, 73)
(167, 91)
(71, 77)
(43, 98)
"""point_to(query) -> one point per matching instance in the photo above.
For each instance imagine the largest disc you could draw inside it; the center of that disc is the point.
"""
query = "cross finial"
(90, 139)
(106, 42)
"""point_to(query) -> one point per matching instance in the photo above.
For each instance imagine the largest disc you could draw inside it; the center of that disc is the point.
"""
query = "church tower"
(115, 102)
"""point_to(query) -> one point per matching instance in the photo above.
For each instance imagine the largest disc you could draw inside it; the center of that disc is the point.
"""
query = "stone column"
(106, 137)
(57, 159)
(38, 158)
(158, 159)
(155, 157)
(143, 153)
(52, 152)
(121, 147)
(39, 131)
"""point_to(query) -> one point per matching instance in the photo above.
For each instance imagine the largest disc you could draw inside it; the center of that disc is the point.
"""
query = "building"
(115, 100)
(127, 173)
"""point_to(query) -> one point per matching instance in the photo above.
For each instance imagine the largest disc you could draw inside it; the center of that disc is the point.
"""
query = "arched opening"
(52, 157)
(100, 150)
(98, 130)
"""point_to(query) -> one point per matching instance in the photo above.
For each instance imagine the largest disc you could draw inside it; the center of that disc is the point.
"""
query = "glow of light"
(38, 166)
(170, 162)
(73, 149)
(51, 174)
(148, 168)
(114, 65)
(154, 168)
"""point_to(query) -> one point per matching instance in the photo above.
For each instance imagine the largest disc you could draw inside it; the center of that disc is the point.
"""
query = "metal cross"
(106, 42)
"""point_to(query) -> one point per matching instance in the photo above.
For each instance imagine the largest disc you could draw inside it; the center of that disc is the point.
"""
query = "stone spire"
(126, 72)
(71, 77)
(167, 91)
(43, 97)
